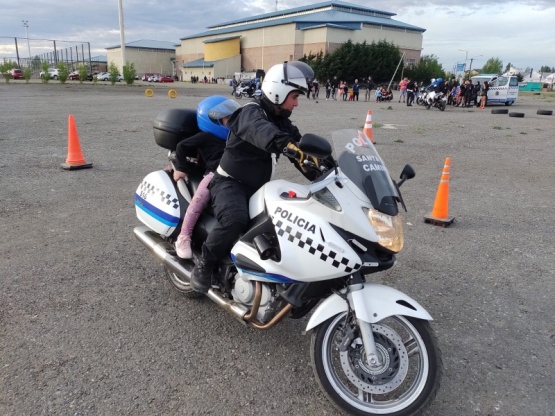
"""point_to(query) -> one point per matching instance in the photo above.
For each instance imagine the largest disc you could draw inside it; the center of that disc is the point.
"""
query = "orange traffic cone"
(440, 212)
(368, 127)
(75, 159)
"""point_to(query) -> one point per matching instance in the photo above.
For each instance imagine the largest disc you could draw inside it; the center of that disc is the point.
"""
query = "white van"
(502, 89)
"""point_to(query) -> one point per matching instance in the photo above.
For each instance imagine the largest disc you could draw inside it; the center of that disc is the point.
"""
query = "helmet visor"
(294, 71)
(224, 109)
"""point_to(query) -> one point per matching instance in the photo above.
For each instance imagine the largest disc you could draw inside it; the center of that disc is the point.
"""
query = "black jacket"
(254, 134)
(209, 147)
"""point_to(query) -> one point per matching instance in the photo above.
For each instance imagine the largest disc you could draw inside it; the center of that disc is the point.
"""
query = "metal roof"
(199, 63)
(220, 39)
(327, 13)
(148, 44)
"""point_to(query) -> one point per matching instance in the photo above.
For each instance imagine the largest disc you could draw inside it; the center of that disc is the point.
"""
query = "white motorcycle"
(312, 247)
(436, 99)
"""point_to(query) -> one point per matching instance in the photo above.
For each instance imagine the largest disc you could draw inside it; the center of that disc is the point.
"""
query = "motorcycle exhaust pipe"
(160, 247)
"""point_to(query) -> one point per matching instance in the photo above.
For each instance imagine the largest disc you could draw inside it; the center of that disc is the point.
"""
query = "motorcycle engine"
(243, 292)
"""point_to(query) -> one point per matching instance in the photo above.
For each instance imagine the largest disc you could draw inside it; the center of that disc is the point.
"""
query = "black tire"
(544, 112)
(442, 105)
(500, 111)
(428, 106)
(238, 95)
(519, 115)
(181, 285)
(399, 390)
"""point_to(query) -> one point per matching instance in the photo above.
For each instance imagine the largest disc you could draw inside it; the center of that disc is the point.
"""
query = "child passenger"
(207, 146)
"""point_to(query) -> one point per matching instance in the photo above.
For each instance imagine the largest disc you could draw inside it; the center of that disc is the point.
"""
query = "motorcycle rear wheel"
(406, 384)
(181, 285)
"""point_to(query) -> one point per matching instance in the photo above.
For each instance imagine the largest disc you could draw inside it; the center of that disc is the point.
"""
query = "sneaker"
(183, 247)
(201, 278)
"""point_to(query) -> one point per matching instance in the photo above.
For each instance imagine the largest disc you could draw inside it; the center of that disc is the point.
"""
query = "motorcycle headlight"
(389, 229)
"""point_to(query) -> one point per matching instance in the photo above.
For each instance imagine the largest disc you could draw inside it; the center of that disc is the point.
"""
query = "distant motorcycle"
(436, 99)
(247, 91)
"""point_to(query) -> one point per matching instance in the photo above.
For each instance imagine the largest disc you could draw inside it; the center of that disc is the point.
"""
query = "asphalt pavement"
(89, 326)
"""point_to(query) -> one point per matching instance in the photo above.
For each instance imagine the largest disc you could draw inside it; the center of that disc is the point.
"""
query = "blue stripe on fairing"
(269, 276)
(156, 213)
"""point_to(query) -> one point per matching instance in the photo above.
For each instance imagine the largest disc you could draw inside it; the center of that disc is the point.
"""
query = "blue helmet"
(210, 112)
(439, 80)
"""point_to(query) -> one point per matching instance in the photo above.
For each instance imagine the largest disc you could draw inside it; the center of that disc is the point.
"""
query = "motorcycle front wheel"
(406, 381)
(442, 105)
(238, 95)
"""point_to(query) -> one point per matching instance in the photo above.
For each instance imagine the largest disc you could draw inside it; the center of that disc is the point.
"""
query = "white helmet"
(283, 78)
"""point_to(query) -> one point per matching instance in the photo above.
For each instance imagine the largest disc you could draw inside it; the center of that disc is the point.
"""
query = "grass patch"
(398, 141)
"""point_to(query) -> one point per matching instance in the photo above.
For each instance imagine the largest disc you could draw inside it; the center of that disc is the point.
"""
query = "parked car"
(16, 73)
(149, 76)
(54, 73)
(165, 78)
(75, 76)
(105, 76)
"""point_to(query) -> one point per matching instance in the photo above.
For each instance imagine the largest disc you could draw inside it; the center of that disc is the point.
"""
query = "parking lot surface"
(88, 325)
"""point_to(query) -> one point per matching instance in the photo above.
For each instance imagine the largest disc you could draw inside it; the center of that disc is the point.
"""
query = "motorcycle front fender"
(371, 304)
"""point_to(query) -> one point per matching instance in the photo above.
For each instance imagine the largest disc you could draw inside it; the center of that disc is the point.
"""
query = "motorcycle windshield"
(361, 163)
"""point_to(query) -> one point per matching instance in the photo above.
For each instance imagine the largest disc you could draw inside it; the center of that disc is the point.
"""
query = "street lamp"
(471, 60)
(26, 26)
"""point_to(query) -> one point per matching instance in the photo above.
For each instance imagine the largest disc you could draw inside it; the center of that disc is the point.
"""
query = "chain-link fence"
(32, 53)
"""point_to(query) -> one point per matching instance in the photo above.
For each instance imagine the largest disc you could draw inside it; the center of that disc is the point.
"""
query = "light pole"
(471, 60)
(26, 26)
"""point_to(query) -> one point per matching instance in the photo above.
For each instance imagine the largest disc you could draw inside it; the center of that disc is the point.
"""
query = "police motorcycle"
(435, 97)
(247, 91)
(311, 248)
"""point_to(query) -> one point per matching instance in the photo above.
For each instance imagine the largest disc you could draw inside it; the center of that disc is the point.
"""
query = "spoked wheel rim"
(386, 390)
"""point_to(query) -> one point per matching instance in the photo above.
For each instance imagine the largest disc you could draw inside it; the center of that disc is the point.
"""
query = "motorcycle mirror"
(407, 173)
(315, 145)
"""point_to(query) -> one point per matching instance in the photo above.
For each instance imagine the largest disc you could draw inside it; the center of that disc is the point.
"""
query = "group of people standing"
(466, 94)
(339, 89)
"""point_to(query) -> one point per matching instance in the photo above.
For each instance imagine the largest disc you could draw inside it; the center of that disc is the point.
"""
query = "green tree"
(114, 73)
(63, 72)
(83, 72)
(129, 73)
(46, 75)
(546, 68)
(427, 68)
(356, 61)
(5, 68)
(508, 67)
(492, 66)
(27, 74)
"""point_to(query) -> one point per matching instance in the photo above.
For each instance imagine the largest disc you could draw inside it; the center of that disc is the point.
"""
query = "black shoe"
(201, 278)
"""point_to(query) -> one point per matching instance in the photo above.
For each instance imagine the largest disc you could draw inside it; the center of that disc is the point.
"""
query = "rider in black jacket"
(259, 131)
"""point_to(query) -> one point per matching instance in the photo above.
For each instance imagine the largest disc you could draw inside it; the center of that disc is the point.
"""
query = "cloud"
(520, 32)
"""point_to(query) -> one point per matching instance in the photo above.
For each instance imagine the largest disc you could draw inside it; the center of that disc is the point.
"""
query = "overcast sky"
(521, 32)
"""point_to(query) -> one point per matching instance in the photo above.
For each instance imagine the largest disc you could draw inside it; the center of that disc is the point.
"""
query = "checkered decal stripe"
(306, 243)
(165, 198)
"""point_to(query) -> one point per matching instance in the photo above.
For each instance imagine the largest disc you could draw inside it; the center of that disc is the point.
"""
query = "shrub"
(27, 74)
(63, 72)
(114, 73)
(129, 73)
(46, 75)
(83, 72)
(5, 68)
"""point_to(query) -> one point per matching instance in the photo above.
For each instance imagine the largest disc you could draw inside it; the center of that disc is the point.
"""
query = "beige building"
(258, 42)
(148, 56)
